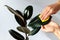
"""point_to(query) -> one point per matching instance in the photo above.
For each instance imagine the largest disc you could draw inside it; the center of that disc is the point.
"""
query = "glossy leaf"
(11, 9)
(36, 22)
(20, 13)
(19, 20)
(28, 12)
(16, 35)
(18, 16)
(14, 12)
(23, 29)
(34, 31)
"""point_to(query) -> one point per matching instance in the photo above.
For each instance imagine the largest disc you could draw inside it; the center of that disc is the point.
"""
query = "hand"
(50, 27)
(49, 10)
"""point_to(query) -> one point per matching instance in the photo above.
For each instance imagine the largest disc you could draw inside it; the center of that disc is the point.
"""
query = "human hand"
(49, 10)
(50, 27)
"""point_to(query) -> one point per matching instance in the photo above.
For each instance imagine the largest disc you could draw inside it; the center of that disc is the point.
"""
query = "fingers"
(43, 12)
(46, 13)
(44, 29)
(49, 10)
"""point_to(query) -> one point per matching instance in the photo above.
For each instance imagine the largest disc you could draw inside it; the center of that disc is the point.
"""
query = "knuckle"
(49, 7)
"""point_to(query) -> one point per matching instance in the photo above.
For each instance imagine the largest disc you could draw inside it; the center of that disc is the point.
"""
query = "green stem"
(26, 36)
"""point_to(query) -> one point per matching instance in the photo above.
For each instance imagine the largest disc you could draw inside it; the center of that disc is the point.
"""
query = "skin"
(49, 10)
(52, 26)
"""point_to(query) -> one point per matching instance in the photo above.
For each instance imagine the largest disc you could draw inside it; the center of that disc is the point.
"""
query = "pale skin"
(49, 10)
(52, 26)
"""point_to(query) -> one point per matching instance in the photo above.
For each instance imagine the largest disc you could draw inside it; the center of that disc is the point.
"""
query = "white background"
(7, 20)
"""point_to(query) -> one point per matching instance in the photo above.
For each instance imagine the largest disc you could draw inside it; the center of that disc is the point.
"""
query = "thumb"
(43, 29)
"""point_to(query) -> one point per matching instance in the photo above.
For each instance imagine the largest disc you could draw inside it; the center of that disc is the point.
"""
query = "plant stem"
(26, 36)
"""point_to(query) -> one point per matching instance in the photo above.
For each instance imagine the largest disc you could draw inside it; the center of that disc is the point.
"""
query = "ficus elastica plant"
(22, 19)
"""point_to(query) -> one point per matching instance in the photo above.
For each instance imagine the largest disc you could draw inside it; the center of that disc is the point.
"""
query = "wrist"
(58, 1)
(58, 4)
(57, 32)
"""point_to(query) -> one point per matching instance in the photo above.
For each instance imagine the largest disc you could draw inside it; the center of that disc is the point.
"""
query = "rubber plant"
(22, 19)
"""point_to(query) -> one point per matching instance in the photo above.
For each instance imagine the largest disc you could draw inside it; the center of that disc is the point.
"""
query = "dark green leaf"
(23, 29)
(36, 22)
(16, 35)
(20, 13)
(34, 31)
(19, 20)
(18, 16)
(28, 12)
(14, 12)
(11, 9)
